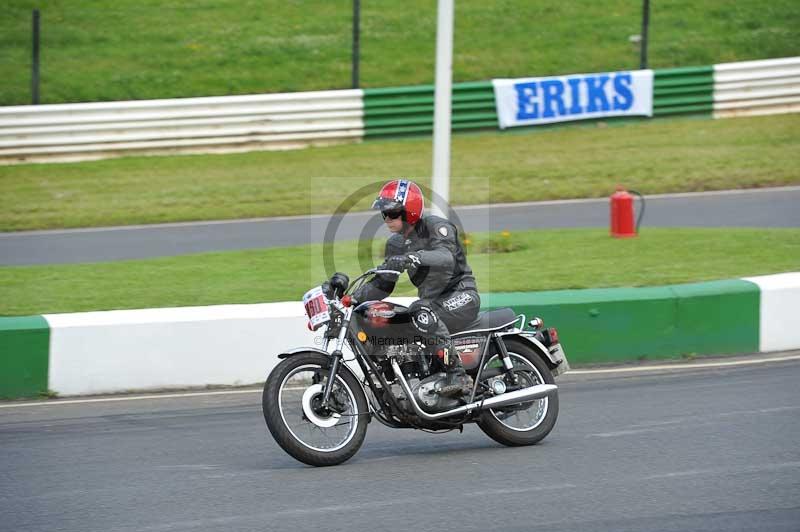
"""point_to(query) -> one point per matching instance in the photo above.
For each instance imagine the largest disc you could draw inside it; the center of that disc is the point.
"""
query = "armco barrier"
(757, 87)
(397, 111)
(104, 352)
(266, 121)
(683, 91)
(294, 120)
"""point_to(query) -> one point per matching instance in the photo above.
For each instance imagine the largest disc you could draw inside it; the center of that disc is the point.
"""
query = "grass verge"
(542, 260)
(670, 155)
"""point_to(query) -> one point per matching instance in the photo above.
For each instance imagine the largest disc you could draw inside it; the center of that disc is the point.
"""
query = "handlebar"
(373, 271)
(377, 271)
(359, 281)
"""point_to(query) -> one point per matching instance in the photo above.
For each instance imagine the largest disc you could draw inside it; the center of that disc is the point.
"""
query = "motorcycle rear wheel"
(309, 433)
(530, 422)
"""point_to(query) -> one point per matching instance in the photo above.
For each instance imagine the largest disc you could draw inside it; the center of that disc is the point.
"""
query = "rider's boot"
(457, 382)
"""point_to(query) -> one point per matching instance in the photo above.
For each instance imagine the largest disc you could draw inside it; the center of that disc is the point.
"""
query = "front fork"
(337, 356)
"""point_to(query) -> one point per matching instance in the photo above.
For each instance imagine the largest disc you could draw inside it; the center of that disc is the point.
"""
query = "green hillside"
(125, 49)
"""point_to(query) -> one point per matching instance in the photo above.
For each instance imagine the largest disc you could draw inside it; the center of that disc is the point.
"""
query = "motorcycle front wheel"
(309, 432)
(527, 423)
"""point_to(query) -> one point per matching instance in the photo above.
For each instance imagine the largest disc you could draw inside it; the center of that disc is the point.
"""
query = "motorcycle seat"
(491, 320)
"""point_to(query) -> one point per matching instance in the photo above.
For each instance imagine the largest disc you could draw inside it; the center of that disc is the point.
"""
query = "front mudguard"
(554, 357)
(318, 351)
(298, 350)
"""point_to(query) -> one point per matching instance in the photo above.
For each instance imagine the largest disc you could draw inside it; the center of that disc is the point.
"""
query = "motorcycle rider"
(429, 249)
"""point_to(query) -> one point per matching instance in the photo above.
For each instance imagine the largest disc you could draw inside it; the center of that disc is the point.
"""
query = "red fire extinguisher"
(622, 225)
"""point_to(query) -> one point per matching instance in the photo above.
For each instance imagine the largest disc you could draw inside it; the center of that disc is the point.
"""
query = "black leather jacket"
(442, 267)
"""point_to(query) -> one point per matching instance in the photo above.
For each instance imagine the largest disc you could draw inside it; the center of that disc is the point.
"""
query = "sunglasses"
(392, 215)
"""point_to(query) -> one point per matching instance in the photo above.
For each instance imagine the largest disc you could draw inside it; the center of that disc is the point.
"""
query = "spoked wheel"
(311, 433)
(525, 423)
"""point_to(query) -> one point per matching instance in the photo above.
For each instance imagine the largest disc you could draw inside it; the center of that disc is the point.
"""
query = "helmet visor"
(386, 205)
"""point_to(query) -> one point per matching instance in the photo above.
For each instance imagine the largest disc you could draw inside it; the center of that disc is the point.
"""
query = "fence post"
(645, 29)
(356, 38)
(35, 63)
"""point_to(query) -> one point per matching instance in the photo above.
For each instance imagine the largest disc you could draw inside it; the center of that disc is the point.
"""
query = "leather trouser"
(453, 311)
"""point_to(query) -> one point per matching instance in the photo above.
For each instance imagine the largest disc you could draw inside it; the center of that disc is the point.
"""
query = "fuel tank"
(385, 323)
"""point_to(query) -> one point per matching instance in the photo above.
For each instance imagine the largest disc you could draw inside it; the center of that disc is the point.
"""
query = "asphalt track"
(710, 449)
(774, 207)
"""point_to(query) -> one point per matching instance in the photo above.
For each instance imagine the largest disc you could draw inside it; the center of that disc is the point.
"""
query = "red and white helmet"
(401, 196)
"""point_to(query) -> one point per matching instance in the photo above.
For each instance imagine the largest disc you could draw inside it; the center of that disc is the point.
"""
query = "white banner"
(532, 101)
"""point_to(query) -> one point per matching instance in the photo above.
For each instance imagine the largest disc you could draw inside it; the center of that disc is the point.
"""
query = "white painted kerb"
(780, 311)
(103, 352)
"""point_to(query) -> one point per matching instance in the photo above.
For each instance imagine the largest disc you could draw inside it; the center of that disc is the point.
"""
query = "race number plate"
(316, 305)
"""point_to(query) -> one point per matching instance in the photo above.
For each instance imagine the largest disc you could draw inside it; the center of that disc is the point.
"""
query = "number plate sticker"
(558, 353)
(316, 305)
(558, 357)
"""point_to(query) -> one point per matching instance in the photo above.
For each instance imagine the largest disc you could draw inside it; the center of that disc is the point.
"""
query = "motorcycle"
(317, 406)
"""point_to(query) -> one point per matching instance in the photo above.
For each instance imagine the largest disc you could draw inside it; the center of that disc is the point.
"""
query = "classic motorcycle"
(317, 403)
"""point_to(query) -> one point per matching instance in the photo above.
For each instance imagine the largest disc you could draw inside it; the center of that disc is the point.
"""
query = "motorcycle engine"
(424, 386)
(427, 396)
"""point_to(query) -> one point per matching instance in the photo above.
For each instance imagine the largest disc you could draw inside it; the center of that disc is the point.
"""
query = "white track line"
(671, 195)
(698, 365)
(642, 369)
(57, 402)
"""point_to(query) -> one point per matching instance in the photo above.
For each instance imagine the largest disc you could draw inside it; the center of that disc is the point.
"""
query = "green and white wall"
(115, 351)
(719, 91)
(295, 120)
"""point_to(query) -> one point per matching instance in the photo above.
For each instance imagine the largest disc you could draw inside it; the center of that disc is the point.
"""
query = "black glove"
(339, 283)
(398, 263)
(336, 286)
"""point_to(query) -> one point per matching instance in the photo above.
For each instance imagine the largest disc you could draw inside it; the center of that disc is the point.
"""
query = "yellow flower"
(467, 241)
(505, 234)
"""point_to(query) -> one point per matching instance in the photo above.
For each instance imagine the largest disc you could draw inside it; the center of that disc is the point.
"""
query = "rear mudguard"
(557, 362)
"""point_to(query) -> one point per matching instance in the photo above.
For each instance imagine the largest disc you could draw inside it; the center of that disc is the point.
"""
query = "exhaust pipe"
(531, 393)
(538, 391)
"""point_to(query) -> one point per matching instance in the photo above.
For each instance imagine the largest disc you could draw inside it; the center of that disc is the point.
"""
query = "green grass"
(126, 49)
(545, 260)
(670, 155)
